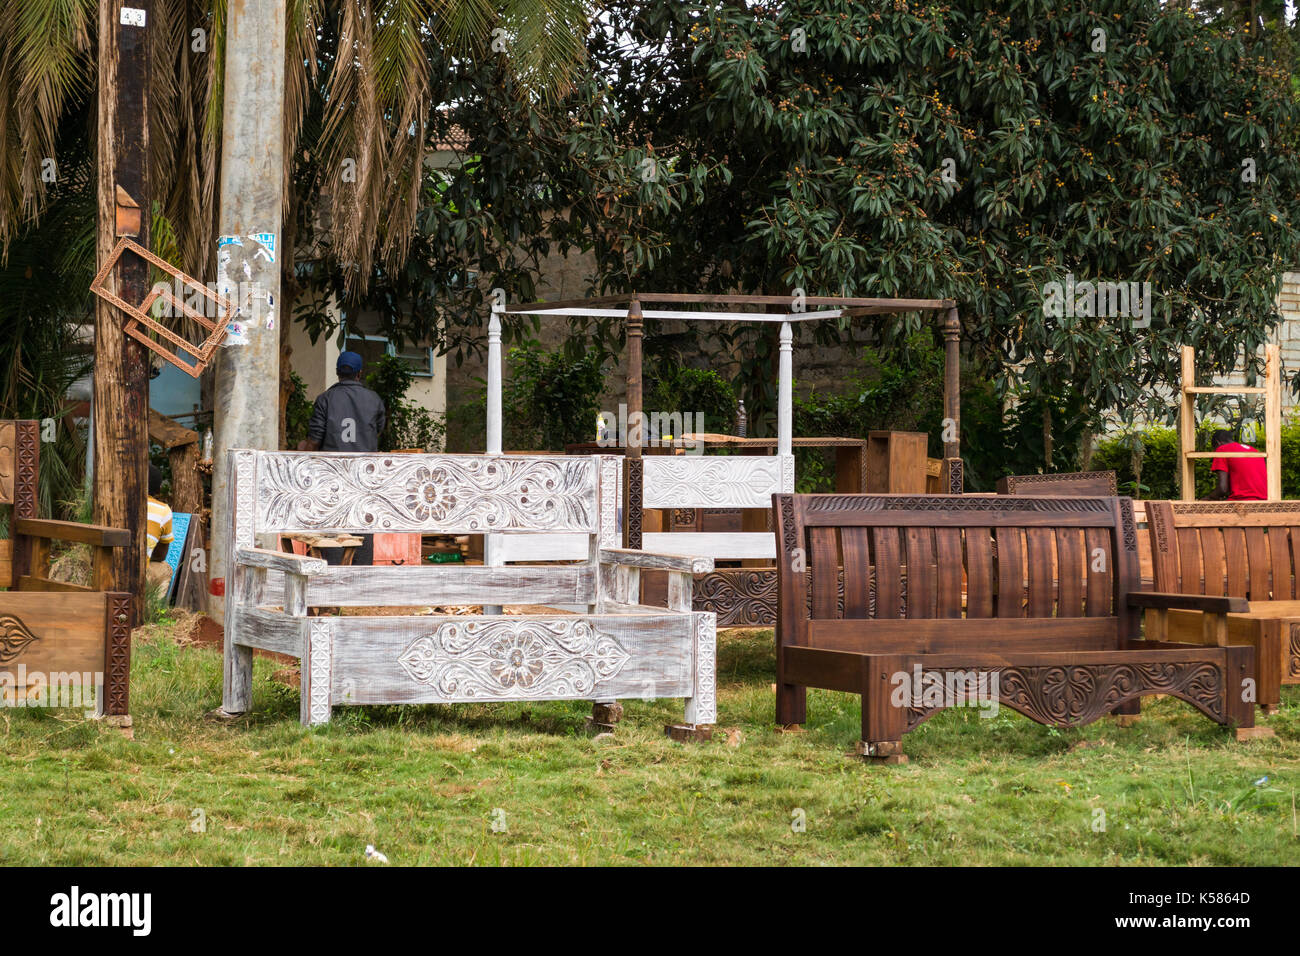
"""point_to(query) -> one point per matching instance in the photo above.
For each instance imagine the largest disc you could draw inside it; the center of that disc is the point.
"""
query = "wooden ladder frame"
(1272, 392)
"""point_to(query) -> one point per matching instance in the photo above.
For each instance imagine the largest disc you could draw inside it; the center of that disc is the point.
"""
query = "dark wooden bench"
(937, 587)
(1244, 549)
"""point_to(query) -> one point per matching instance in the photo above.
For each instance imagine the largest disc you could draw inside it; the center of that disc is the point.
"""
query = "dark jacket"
(347, 409)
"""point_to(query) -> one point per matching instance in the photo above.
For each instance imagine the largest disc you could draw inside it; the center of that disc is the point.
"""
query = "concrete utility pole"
(121, 380)
(246, 389)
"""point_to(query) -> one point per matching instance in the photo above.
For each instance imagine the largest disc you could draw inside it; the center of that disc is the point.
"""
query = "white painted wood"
(543, 501)
(785, 393)
(448, 584)
(444, 494)
(690, 316)
(713, 481)
(479, 658)
(735, 547)
(280, 560)
(269, 630)
(538, 547)
(702, 706)
(494, 384)
(656, 561)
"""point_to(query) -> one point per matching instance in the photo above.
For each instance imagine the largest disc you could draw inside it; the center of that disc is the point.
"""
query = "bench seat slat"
(938, 635)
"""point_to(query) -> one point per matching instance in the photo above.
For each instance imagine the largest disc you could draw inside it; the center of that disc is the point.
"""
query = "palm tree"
(376, 94)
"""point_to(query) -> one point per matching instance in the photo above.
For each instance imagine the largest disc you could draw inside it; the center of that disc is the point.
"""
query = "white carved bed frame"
(698, 481)
(614, 649)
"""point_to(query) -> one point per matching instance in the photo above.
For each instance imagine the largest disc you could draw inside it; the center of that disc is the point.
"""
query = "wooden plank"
(8, 459)
(1212, 560)
(270, 630)
(979, 572)
(1279, 553)
(6, 563)
(1236, 514)
(656, 561)
(1100, 569)
(1011, 572)
(824, 514)
(405, 660)
(56, 638)
(855, 543)
(1042, 581)
(1070, 559)
(920, 573)
(889, 572)
(1189, 561)
(939, 635)
(92, 534)
(948, 583)
(1258, 564)
(29, 582)
(541, 547)
(1234, 549)
(823, 562)
(733, 547)
(404, 585)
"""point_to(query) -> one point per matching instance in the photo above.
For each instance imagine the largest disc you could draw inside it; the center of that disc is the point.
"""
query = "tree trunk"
(121, 379)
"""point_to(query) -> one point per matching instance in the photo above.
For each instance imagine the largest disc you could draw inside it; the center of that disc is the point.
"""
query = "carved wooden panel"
(462, 494)
(1291, 672)
(1064, 483)
(740, 597)
(117, 653)
(514, 659)
(8, 456)
(702, 706)
(713, 481)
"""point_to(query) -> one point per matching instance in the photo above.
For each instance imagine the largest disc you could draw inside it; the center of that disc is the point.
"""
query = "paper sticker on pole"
(242, 261)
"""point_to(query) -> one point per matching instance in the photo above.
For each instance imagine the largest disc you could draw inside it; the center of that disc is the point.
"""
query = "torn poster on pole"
(241, 262)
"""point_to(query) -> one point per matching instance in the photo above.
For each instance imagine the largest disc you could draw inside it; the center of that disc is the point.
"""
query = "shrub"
(409, 425)
(690, 390)
(551, 400)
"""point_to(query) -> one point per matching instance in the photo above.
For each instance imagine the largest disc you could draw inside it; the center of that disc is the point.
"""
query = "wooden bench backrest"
(899, 559)
(706, 481)
(1247, 549)
(1063, 484)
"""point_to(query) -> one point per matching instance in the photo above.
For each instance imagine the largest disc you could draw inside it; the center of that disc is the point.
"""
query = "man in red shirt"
(1240, 479)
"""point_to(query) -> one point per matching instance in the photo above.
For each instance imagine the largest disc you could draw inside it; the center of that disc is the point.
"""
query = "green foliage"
(551, 399)
(297, 412)
(1160, 460)
(676, 388)
(409, 425)
(823, 169)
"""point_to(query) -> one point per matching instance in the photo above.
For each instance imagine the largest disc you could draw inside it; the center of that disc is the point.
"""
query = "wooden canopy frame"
(631, 308)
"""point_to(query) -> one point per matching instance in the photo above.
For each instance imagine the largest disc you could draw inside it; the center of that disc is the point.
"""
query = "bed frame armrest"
(1166, 601)
(285, 561)
(654, 561)
(95, 535)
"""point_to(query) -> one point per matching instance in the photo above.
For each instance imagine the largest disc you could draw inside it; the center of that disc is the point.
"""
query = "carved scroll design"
(117, 653)
(1077, 694)
(740, 597)
(320, 652)
(426, 492)
(744, 481)
(514, 659)
(702, 707)
(15, 637)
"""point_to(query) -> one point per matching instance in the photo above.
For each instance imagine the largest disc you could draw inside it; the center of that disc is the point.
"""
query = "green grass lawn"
(425, 784)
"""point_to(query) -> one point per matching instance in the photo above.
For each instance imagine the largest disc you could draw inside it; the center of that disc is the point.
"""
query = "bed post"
(494, 383)
(953, 479)
(785, 393)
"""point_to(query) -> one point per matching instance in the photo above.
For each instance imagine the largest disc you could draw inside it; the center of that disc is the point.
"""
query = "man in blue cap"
(347, 417)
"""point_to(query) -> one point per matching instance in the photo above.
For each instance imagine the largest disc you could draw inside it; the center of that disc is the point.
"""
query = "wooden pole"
(1187, 425)
(634, 325)
(121, 380)
(953, 480)
(785, 392)
(494, 383)
(1273, 419)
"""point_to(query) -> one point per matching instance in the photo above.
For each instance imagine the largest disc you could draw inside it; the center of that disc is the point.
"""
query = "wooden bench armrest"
(1165, 601)
(654, 561)
(285, 561)
(93, 534)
